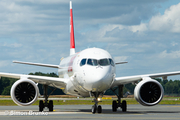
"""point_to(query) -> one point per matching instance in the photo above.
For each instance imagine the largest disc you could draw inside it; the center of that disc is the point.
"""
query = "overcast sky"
(146, 33)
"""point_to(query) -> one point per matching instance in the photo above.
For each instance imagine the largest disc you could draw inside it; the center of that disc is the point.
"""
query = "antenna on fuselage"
(72, 41)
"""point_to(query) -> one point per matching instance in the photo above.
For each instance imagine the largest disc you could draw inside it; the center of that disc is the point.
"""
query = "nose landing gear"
(96, 108)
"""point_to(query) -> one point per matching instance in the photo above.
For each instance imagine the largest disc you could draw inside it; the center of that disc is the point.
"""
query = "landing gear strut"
(118, 103)
(96, 108)
(46, 104)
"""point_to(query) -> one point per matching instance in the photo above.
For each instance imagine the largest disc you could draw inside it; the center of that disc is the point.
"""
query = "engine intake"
(24, 92)
(149, 92)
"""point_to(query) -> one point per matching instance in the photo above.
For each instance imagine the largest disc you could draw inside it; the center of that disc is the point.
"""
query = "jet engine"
(148, 92)
(24, 92)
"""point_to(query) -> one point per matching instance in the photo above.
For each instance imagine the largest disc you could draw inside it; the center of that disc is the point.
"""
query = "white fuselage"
(91, 70)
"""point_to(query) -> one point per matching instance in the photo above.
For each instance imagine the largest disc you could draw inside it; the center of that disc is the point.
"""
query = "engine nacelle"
(148, 92)
(24, 92)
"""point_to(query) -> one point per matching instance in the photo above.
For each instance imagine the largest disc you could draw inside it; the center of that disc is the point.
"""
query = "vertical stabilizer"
(72, 42)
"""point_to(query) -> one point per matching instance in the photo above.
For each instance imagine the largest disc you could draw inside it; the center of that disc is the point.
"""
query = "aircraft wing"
(38, 79)
(132, 79)
(38, 64)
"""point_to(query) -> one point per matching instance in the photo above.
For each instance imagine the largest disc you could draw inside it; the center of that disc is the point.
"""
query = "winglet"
(72, 41)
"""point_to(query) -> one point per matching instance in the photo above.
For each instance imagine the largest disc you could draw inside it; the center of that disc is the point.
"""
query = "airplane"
(88, 73)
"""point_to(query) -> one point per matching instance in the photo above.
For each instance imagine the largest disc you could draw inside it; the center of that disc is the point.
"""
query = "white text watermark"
(23, 113)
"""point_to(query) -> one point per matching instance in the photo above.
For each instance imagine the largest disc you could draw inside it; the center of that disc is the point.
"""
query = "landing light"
(99, 99)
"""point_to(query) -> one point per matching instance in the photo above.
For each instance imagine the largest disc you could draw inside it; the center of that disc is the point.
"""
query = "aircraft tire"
(94, 108)
(50, 106)
(99, 109)
(124, 106)
(114, 106)
(41, 105)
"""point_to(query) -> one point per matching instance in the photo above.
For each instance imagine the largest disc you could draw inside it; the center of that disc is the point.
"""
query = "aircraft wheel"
(124, 106)
(94, 108)
(50, 105)
(99, 109)
(41, 105)
(114, 106)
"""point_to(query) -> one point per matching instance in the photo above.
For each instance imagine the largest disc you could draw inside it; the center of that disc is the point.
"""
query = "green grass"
(7, 103)
(166, 100)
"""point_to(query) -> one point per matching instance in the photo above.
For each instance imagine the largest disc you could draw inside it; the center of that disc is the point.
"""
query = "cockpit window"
(92, 62)
(111, 62)
(104, 62)
(83, 62)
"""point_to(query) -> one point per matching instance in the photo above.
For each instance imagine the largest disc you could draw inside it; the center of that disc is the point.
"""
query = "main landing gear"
(118, 103)
(96, 108)
(46, 103)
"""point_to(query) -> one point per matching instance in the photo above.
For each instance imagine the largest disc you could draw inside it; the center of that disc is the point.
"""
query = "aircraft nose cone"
(99, 79)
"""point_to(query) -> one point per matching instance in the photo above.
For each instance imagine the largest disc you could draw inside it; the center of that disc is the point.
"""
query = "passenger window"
(111, 62)
(83, 62)
(104, 62)
(92, 62)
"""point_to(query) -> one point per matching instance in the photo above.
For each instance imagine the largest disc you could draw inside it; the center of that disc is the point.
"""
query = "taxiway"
(68, 112)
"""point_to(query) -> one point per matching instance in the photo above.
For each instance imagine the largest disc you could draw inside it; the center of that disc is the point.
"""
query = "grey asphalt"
(68, 112)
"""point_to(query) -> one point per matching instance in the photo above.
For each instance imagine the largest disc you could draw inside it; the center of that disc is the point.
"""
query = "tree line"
(171, 87)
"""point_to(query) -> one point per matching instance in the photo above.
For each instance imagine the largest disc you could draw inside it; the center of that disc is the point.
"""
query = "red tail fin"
(72, 41)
